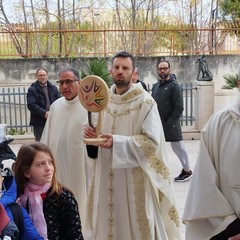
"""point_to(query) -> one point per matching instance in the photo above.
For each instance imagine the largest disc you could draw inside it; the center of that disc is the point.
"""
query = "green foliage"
(230, 9)
(13, 131)
(231, 16)
(231, 81)
(170, 37)
(99, 68)
(66, 40)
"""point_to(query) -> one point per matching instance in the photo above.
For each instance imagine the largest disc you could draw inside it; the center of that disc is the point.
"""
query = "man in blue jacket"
(41, 94)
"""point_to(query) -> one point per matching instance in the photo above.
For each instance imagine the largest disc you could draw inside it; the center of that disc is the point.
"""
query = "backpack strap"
(17, 216)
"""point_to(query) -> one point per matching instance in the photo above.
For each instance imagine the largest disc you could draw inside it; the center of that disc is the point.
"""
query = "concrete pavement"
(181, 189)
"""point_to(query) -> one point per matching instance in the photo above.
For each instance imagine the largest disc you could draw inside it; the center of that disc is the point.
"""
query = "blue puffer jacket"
(8, 197)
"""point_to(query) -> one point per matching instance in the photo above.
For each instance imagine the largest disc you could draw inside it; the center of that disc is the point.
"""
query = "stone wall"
(22, 71)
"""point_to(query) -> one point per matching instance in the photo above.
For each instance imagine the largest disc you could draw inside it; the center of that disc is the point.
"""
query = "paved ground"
(181, 189)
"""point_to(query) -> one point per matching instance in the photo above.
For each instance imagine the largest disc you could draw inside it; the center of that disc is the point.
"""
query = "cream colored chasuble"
(131, 196)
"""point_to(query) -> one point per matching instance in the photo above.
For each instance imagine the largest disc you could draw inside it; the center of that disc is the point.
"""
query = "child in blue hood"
(8, 196)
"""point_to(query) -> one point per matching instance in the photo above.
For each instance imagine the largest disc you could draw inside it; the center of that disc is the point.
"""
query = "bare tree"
(10, 28)
(43, 46)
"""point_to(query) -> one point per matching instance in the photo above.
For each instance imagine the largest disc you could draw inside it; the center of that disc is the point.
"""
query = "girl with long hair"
(51, 206)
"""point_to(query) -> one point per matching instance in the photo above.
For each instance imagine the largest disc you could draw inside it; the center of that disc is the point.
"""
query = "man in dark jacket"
(41, 94)
(168, 95)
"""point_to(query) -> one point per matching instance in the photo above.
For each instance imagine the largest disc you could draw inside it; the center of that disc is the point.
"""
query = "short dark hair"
(44, 69)
(74, 71)
(125, 54)
(162, 60)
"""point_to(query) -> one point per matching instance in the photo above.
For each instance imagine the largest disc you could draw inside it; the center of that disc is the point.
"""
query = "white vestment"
(213, 200)
(63, 134)
(131, 196)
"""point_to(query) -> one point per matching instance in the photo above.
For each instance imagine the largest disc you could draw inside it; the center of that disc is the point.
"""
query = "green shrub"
(231, 81)
(13, 131)
(99, 68)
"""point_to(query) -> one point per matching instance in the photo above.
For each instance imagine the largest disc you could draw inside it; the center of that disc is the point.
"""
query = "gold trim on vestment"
(139, 192)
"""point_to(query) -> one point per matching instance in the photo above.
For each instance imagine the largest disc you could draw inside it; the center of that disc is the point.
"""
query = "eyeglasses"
(68, 82)
(163, 68)
(42, 75)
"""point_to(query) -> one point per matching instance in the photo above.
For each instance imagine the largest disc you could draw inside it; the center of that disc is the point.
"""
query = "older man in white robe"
(63, 135)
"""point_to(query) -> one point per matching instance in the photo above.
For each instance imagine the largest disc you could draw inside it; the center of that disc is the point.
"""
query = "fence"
(187, 118)
(13, 109)
(102, 43)
(14, 112)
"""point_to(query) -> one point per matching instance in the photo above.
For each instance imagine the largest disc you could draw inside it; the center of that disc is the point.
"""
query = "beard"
(163, 75)
(122, 83)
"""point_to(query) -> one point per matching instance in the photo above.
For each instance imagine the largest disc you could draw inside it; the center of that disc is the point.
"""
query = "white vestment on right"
(131, 196)
(213, 200)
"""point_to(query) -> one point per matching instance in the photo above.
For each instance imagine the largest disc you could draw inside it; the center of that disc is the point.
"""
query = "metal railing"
(13, 109)
(102, 43)
(14, 112)
(187, 118)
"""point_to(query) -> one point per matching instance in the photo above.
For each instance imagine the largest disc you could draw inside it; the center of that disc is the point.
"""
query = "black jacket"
(143, 84)
(231, 230)
(169, 98)
(36, 102)
(62, 216)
